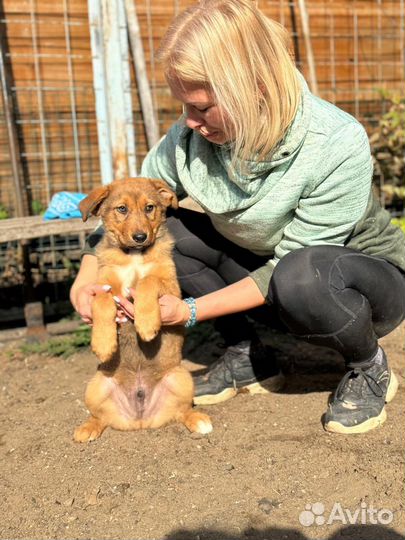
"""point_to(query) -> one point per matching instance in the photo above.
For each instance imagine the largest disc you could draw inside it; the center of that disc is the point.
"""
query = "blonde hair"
(244, 59)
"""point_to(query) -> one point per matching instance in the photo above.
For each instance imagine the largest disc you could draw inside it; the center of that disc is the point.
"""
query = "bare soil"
(266, 461)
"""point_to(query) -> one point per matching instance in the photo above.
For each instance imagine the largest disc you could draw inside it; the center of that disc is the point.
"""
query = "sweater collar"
(285, 151)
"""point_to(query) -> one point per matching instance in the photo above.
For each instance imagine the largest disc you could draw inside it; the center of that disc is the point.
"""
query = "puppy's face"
(132, 210)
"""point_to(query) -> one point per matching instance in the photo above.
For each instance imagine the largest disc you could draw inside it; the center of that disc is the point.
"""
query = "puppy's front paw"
(147, 328)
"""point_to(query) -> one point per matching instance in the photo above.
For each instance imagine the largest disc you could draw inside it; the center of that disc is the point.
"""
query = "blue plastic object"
(64, 205)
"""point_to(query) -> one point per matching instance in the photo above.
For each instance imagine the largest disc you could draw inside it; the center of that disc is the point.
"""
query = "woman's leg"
(346, 300)
(206, 262)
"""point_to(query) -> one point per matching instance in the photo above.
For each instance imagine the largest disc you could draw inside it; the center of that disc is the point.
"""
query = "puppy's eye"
(122, 209)
(149, 208)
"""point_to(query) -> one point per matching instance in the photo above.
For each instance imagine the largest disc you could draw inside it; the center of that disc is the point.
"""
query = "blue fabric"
(64, 205)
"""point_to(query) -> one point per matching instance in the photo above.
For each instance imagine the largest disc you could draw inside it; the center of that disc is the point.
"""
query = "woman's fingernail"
(117, 299)
(106, 288)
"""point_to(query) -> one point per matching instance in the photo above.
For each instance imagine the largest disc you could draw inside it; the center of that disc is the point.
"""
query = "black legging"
(328, 295)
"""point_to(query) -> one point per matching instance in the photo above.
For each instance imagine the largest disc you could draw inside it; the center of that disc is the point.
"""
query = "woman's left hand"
(173, 310)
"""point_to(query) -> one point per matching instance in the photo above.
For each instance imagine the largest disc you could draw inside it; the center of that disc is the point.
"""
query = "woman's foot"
(248, 365)
(358, 403)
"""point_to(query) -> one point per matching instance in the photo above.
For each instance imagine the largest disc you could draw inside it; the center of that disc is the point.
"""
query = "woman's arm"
(240, 296)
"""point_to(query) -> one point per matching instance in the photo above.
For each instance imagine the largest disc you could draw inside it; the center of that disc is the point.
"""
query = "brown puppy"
(140, 382)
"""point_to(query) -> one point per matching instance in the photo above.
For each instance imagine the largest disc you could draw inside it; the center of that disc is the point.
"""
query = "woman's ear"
(91, 204)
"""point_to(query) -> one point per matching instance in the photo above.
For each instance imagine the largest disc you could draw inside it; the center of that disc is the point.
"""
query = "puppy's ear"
(91, 204)
(167, 196)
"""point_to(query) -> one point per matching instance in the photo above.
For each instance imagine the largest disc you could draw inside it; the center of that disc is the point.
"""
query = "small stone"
(266, 505)
(122, 488)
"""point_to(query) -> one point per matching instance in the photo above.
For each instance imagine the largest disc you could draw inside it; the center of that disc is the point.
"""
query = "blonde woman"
(290, 233)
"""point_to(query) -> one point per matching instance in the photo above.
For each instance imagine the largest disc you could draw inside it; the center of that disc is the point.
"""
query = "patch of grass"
(63, 346)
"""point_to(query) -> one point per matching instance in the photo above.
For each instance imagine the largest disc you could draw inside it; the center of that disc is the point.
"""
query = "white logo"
(314, 514)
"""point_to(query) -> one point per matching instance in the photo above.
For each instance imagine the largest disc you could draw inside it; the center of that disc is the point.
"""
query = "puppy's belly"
(141, 401)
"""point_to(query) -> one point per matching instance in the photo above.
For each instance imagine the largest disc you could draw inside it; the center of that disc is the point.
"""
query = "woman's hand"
(173, 311)
(83, 297)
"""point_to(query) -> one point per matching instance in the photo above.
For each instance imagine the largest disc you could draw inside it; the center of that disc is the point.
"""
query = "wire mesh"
(358, 50)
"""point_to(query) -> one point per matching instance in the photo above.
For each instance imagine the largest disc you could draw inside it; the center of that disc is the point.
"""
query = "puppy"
(140, 382)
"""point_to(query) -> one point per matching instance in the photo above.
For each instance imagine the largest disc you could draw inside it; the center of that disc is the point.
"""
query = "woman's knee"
(297, 279)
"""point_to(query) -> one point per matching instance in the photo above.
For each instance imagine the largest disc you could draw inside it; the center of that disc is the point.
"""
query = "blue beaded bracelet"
(193, 312)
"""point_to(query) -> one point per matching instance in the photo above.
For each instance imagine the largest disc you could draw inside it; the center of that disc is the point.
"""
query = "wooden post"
(138, 57)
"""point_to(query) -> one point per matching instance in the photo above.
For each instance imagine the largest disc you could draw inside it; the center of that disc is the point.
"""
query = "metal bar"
(308, 45)
(332, 51)
(356, 63)
(379, 45)
(402, 34)
(44, 55)
(152, 60)
(72, 98)
(138, 57)
(21, 202)
(281, 13)
(40, 101)
(46, 22)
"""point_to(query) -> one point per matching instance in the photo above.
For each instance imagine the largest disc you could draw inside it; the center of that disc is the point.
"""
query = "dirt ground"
(267, 471)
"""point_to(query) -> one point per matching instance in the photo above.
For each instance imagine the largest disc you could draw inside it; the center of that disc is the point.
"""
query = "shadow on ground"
(355, 532)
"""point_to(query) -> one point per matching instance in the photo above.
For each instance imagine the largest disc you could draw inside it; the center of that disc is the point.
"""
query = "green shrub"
(388, 149)
(400, 222)
(4, 213)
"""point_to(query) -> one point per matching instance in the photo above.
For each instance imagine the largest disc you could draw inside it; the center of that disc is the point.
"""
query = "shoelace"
(371, 381)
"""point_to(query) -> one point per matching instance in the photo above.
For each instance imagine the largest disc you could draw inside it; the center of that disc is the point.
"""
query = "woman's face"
(202, 114)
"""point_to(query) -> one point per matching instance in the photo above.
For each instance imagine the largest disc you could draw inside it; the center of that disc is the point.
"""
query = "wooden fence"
(358, 49)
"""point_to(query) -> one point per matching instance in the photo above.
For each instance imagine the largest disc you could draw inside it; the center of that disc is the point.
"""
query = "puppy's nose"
(139, 238)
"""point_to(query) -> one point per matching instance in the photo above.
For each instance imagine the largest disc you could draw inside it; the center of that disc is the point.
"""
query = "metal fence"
(348, 50)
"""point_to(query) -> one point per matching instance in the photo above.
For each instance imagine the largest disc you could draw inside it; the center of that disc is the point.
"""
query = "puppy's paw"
(198, 422)
(147, 328)
(89, 431)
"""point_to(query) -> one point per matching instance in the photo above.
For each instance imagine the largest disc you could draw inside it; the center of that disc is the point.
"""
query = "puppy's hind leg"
(98, 393)
(181, 384)
(90, 430)
(196, 421)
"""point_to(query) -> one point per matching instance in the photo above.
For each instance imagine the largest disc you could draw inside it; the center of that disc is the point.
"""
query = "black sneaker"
(247, 365)
(358, 403)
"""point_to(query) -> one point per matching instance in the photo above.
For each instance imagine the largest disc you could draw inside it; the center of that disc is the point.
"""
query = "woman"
(290, 230)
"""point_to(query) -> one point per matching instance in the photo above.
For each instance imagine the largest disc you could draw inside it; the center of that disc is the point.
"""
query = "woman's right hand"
(83, 297)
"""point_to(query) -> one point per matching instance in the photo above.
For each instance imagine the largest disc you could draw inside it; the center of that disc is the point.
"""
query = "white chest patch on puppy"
(130, 273)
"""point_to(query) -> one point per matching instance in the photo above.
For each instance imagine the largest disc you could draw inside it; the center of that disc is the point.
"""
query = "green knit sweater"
(315, 188)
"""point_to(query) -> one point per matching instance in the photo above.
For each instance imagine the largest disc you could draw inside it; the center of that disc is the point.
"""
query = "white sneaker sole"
(272, 384)
(371, 423)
